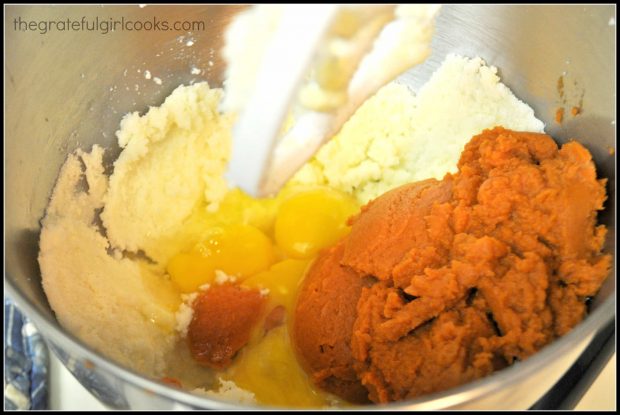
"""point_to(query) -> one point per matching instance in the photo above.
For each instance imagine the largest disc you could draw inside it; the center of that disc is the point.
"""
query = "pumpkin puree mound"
(443, 282)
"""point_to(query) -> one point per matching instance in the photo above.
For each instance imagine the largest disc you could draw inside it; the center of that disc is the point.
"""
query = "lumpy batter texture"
(397, 137)
(468, 274)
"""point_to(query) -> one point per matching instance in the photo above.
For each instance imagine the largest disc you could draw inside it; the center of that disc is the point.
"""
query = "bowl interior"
(68, 89)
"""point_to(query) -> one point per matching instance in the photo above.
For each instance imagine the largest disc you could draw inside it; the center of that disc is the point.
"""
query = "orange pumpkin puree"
(224, 316)
(443, 282)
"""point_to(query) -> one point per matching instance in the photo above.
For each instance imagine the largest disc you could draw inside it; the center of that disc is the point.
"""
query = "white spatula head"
(318, 63)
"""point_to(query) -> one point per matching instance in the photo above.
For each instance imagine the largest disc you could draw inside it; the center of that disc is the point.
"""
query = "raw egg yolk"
(238, 250)
(301, 222)
(268, 366)
(282, 280)
(312, 220)
(190, 270)
(270, 370)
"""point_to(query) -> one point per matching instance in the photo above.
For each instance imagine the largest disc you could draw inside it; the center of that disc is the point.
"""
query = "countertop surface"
(67, 394)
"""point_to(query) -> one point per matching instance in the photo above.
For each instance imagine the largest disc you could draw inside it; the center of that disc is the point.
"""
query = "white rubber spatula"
(318, 64)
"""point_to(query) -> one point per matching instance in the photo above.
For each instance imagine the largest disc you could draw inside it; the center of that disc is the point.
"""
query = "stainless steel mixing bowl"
(67, 89)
